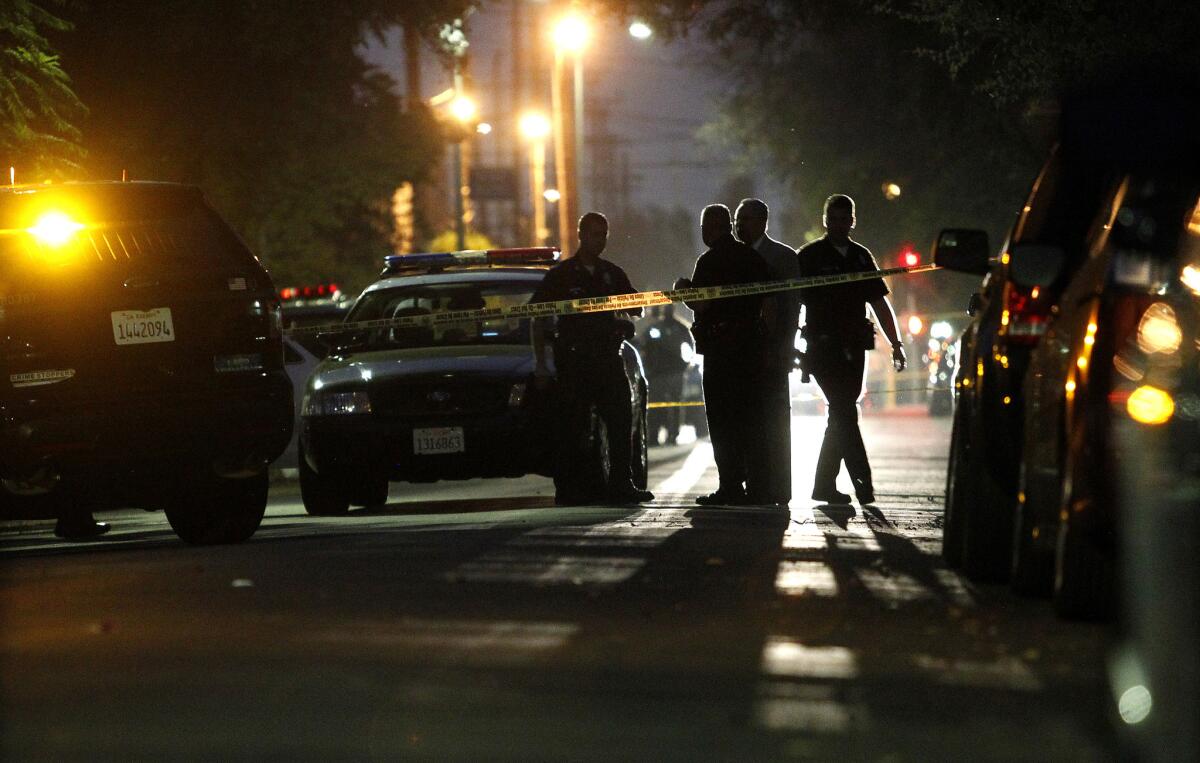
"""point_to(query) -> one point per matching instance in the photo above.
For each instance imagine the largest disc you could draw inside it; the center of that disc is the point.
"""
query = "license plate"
(438, 440)
(143, 326)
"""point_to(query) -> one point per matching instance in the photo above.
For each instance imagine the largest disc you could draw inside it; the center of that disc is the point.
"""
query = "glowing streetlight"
(552, 195)
(640, 30)
(891, 191)
(535, 127)
(484, 128)
(463, 109)
(571, 33)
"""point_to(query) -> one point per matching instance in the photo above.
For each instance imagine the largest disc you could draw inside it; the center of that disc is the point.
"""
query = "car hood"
(503, 361)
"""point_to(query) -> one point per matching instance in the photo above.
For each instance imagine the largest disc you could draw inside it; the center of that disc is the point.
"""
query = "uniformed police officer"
(731, 334)
(591, 372)
(750, 223)
(839, 334)
(661, 344)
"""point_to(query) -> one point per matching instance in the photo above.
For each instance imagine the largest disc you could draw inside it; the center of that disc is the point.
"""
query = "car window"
(1063, 205)
(293, 319)
(427, 299)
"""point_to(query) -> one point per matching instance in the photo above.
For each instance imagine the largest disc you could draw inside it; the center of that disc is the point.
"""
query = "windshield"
(439, 298)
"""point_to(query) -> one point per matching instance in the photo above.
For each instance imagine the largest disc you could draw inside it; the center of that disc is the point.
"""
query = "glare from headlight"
(55, 229)
(335, 403)
(1158, 330)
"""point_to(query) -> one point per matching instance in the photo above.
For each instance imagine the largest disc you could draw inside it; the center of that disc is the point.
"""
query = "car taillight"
(1026, 313)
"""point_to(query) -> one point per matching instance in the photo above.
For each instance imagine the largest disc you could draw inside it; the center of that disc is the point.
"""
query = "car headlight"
(335, 403)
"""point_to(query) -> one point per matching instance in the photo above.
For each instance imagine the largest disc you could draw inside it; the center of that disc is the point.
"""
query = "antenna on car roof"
(12, 175)
(124, 176)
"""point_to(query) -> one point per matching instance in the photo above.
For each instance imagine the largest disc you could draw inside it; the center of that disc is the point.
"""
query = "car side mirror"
(1032, 265)
(966, 251)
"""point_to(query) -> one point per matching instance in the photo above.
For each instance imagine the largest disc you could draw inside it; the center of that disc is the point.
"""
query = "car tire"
(1084, 577)
(1084, 572)
(372, 492)
(952, 540)
(985, 517)
(217, 510)
(641, 456)
(1032, 569)
(323, 495)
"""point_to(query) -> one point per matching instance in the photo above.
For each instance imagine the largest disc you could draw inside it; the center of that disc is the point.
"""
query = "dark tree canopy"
(265, 105)
(38, 108)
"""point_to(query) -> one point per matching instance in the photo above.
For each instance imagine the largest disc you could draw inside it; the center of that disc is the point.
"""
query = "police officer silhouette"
(590, 370)
(750, 224)
(839, 334)
(731, 334)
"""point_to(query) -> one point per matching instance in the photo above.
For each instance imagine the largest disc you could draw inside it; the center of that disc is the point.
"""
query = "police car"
(446, 401)
(141, 358)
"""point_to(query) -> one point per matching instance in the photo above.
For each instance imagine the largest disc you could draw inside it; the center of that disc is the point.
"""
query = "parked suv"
(1008, 320)
(141, 357)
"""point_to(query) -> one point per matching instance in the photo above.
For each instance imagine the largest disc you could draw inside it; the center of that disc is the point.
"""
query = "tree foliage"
(38, 108)
(265, 105)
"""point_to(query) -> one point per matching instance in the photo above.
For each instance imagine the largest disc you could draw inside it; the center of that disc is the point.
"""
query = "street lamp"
(535, 127)
(640, 30)
(570, 37)
(463, 110)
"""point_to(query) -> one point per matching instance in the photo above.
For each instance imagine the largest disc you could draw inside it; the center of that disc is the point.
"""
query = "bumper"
(234, 429)
(509, 444)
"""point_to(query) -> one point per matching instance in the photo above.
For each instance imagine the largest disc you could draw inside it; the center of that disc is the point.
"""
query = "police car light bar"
(530, 255)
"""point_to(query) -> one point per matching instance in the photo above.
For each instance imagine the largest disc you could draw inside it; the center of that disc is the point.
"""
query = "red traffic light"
(909, 258)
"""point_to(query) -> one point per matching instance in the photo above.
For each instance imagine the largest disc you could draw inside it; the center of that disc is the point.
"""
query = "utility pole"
(564, 152)
(517, 101)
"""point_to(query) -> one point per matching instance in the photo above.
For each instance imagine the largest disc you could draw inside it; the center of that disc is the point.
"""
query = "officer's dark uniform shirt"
(838, 310)
(729, 261)
(571, 280)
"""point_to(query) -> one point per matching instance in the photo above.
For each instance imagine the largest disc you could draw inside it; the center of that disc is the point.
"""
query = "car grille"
(434, 398)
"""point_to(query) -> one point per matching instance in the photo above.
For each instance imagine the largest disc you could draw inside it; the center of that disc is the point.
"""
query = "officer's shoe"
(80, 528)
(629, 494)
(722, 498)
(865, 495)
(833, 497)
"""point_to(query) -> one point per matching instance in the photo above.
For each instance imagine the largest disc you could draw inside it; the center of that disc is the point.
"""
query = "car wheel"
(985, 516)
(641, 457)
(322, 494)
(1032, 568)
(217, 510)
(1084, 572)
(372, 492)
(952, 541)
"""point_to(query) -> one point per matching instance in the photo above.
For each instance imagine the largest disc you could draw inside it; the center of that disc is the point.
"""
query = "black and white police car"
(447, 401)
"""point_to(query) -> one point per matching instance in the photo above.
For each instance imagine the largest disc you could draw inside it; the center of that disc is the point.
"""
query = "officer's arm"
(887, 319)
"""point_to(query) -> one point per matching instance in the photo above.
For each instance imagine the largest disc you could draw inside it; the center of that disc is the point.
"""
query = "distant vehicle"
(450, 401)
(305, 307)
(142, 357)
(940, 363)
(1008, 320)
(1121, 345)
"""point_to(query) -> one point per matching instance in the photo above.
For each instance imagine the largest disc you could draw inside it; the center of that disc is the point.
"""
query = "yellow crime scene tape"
(611, 303)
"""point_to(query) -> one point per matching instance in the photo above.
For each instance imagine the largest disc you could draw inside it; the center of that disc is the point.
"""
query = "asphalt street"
(476, 621)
